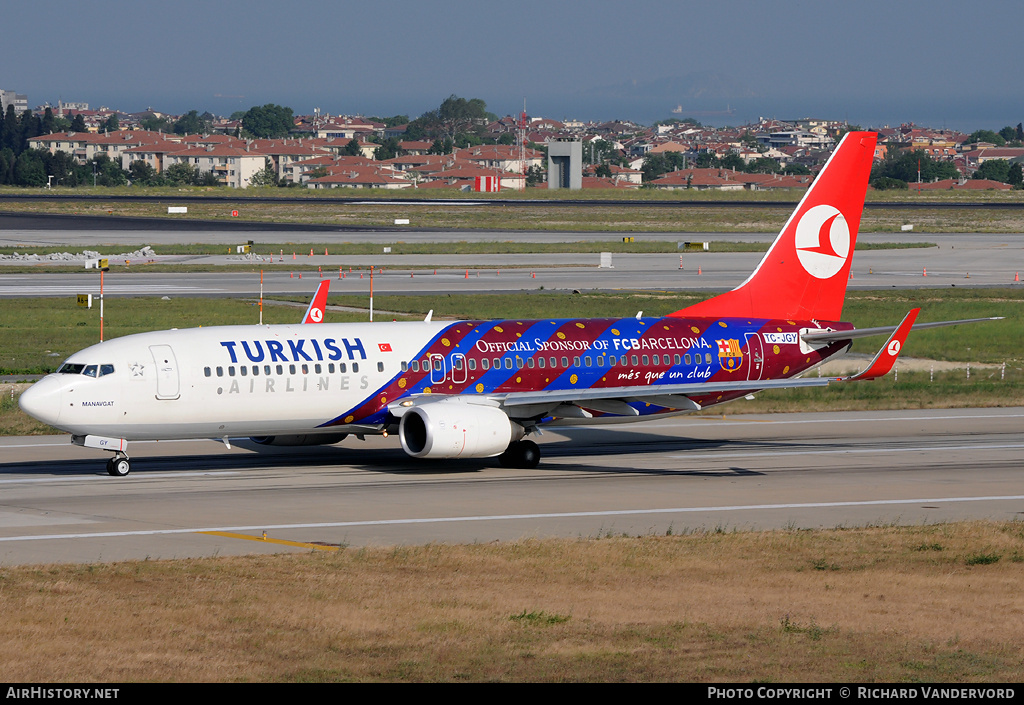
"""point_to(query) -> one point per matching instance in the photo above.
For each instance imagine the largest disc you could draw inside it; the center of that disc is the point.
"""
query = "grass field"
(923, 604)
(595, 217)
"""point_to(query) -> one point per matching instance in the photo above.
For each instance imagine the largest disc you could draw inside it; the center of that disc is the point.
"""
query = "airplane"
(477, 389)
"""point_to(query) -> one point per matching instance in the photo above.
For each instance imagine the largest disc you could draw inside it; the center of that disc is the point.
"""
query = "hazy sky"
(872, 62)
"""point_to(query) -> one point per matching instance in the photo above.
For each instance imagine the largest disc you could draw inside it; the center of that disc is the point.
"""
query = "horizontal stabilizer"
(837, 335)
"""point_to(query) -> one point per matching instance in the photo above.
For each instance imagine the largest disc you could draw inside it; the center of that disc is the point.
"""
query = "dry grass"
(936, 603)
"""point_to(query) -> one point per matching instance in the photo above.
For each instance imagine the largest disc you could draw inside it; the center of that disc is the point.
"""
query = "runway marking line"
(506, 517)
(267, 539)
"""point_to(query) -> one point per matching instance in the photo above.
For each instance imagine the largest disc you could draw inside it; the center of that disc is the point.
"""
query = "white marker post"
(371, 293)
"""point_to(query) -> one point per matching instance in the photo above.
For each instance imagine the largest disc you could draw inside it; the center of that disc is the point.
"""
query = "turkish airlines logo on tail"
(316, 315)
(822, 241)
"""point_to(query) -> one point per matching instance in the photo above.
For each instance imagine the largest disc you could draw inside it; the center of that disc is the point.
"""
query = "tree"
(603, 171)
(155, 124)
(986, 136)
(534, 176)
(268, 121)
(1015, 176)
(995, 169)
(454, 117)
(48, 122)
(108, 173)
(190, 124)
(78, 123)
(904, 166)
(181, 174)
(111, 124)
(763, 165)
(265, 176)
(352, 148)
(886, 183)
(143, 174)
(388, 150)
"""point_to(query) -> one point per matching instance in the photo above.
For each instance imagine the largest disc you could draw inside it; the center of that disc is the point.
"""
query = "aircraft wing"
(836, 335)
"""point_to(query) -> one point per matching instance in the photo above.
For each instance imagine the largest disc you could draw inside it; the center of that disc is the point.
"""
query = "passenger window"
(231, 370)
(485, 363)
(330, 368)
(220, 371)
(519, 363)
(342, 367)
(575, 362)
(380, 366)
(707, 358)
(472, 364)
(541, 362)
(587, 361)
(677, 359)
(355, 367)
(645, 359)
(106, 370)
(553, 361)
(89, 371)
(687, 358)
(266, 369)
(415, 365)
(600, 361)
(280, 369)
(207, 371)
(255, 370)
(243, 369)
(318, 368)
(508, 363)
(291, 369)
(565, 362)
(530, 362)
(634, 360)
(405, 367)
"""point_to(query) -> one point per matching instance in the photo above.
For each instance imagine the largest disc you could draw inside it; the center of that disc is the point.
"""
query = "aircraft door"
(437, 369)
(167, 385)
(755, 355)
(460, 370)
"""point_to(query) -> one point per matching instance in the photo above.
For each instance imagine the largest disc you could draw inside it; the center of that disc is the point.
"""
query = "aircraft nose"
(42, 400)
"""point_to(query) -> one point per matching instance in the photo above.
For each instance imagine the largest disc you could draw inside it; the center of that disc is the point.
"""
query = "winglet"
(315, 312)
(886, 357)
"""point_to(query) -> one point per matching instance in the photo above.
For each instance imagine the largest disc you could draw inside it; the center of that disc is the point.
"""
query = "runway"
(781, 471)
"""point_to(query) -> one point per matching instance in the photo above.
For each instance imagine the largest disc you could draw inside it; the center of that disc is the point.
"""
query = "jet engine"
(307, 439)
(451, 429)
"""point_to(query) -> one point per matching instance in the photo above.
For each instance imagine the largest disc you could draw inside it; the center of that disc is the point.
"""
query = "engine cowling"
(307, 439)
(451, 429)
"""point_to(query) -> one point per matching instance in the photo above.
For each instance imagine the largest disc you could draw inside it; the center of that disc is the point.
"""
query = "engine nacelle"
(453, 429)
(307, 439)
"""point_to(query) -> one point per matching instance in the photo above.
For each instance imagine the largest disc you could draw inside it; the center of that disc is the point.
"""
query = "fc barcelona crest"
(729, 354)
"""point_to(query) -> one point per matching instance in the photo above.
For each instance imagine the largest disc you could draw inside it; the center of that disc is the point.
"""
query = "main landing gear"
(119, 465)
(520, 454)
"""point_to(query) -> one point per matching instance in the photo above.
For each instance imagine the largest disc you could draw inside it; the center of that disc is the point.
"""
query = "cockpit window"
(69, 368)
(89, 371)
(106, 370)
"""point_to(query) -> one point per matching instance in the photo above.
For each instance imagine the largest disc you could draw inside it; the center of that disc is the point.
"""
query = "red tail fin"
(315, 312)
(804, 274)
